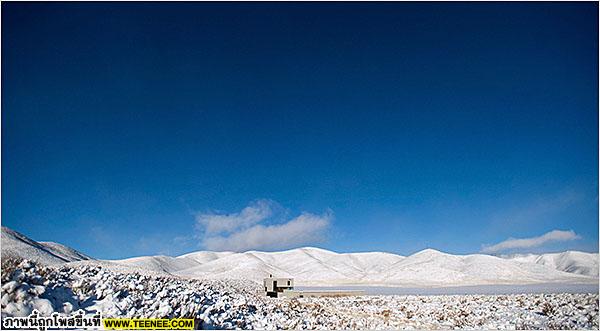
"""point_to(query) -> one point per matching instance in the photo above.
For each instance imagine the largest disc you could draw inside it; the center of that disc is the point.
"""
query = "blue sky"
(134, 128)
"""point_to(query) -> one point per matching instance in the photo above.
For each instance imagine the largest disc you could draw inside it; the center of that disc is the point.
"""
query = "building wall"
(282, 283)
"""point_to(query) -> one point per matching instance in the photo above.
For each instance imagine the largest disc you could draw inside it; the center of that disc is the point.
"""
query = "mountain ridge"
(312, 266)
(17, 245)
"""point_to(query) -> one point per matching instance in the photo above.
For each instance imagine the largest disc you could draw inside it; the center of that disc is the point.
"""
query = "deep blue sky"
(444, 125)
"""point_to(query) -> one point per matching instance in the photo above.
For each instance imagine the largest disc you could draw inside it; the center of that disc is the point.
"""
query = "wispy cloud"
(513, 243)
(304, 229)
(243, 231)
(213, 223)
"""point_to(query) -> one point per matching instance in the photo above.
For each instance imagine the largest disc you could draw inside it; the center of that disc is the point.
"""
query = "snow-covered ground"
(122, 292)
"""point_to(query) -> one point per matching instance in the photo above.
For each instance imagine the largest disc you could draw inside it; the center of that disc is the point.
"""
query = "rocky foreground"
(230, 304)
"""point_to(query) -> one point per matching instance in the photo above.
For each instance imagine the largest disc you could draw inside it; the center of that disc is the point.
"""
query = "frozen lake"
(459, 290)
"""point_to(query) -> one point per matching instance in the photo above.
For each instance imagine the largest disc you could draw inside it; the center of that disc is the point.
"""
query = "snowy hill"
(17, 245)
(308, 265)
(570, 261)
(434, 268)
(161, 263)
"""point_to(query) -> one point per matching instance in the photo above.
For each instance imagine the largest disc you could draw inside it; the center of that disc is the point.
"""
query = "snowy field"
(228, 304)
(464, 290)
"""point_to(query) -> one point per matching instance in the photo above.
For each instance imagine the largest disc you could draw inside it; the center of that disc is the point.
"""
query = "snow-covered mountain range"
(318, 267)
(315, 267)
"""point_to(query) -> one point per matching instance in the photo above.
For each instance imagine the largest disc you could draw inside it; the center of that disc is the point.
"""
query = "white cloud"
(512, 243)
(242, 231)
(213, 223)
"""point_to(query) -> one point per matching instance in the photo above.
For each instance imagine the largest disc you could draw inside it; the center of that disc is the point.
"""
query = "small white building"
(274, 287)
